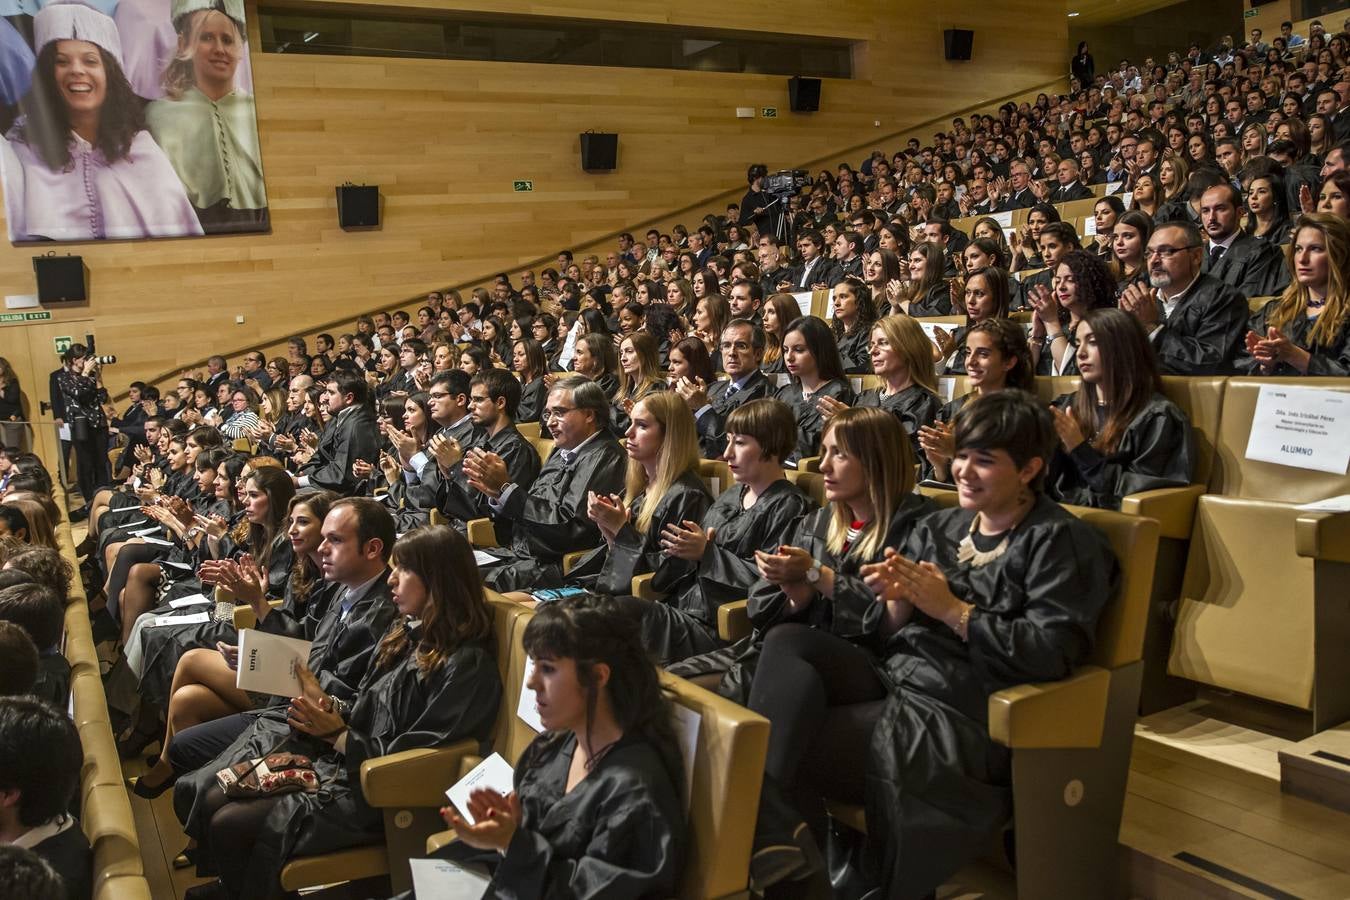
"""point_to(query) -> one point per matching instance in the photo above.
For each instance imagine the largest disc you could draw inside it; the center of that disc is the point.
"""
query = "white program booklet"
(443, 880)
(483, 558)
(269, 663)
(525, 708)
(494, 773)
(193, 619)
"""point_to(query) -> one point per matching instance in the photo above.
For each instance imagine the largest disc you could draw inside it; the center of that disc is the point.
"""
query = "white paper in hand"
(443, 880)
(493, 773)
(156, 541)
(525, 709)
(803, 299)
(190, 600)
(269, 663)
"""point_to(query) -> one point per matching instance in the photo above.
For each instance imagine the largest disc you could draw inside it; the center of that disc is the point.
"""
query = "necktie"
(1215, 253)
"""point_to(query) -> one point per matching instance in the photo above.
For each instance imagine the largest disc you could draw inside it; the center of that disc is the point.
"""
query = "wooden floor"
(1211, 790)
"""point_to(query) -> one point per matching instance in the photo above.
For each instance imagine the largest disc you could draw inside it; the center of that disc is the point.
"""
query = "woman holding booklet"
(433, 681)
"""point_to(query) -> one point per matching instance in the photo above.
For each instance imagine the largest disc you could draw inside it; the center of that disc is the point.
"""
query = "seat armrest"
(733, 620)
(1066, 714)
(642, 588)
(481, 533)
(441, 839)
(1173, 507)
(245, 617)
(414, 777)
(571, 559)
(1323, 536)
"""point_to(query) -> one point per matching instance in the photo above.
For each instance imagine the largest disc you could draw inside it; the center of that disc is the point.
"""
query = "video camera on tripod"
(786, 182)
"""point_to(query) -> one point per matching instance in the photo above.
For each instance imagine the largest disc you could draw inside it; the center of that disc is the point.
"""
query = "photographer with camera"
(758, 207)
(80, 382)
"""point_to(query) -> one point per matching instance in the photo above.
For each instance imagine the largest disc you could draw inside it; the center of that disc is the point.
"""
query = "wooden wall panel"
(444, 140)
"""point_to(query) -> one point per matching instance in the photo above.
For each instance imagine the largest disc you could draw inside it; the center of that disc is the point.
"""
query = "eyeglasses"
(1166, 252)
(557, 412)
(437, 395)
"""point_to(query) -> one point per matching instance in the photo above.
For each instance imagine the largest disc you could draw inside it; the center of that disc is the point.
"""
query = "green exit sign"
(769, 112)
(62, 344)
(522, 187)
(1249, 14)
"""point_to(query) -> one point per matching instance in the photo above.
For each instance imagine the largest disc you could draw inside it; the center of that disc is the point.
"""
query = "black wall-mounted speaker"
(60, 279)
(958, 42)
(804, 94)
(599, 151)
(358, 205)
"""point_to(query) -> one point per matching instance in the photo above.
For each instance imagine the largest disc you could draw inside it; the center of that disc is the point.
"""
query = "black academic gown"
(1156, 451)
(620, 832)
(915, 407)
(686, 623)
(460, 502)
(398, 707)
(1254, 267)
(533, 398)
(810, 424)
(1333, 359)
(936, 302)
(856, 351)
(611, 569)
(340, 655)
(619, 419)
(722, 399)
(938, 789)
(1204, 331)
(351, 435)
(549, 520)
(768, 605)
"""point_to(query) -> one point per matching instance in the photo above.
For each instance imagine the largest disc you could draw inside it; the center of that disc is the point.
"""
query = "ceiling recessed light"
(1071, 15)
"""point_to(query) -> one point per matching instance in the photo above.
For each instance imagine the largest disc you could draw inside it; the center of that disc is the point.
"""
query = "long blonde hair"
(179, 75)
(907, 339)
(1293, 303)
(679, 454)
(877, 441)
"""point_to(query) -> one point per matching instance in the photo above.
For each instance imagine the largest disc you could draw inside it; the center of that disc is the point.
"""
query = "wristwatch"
(813, 573)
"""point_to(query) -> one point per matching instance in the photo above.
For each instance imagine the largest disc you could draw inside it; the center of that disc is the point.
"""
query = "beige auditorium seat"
(409, 789)
(1071, 739)
(1262, 609)
(728, 772)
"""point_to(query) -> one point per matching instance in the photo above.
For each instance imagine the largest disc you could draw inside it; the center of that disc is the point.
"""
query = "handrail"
(470, 283)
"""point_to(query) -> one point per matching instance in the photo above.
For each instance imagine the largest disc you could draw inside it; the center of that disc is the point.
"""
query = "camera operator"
(83, 395)
(758, 207)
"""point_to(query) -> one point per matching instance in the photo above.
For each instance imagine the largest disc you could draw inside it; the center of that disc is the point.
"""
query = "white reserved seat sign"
(1306, 428)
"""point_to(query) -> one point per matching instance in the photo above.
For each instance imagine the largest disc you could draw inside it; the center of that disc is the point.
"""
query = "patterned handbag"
(269, 776)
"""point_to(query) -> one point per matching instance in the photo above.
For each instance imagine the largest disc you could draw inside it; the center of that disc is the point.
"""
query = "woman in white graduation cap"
(78, 164)
(206, 123)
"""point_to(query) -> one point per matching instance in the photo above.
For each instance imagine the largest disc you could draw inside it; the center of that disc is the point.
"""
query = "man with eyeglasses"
(255, 367)
(1195, 321)
(450, 420)
(494, 396)
(742, 346)
(548, 518)
(1253, 266)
